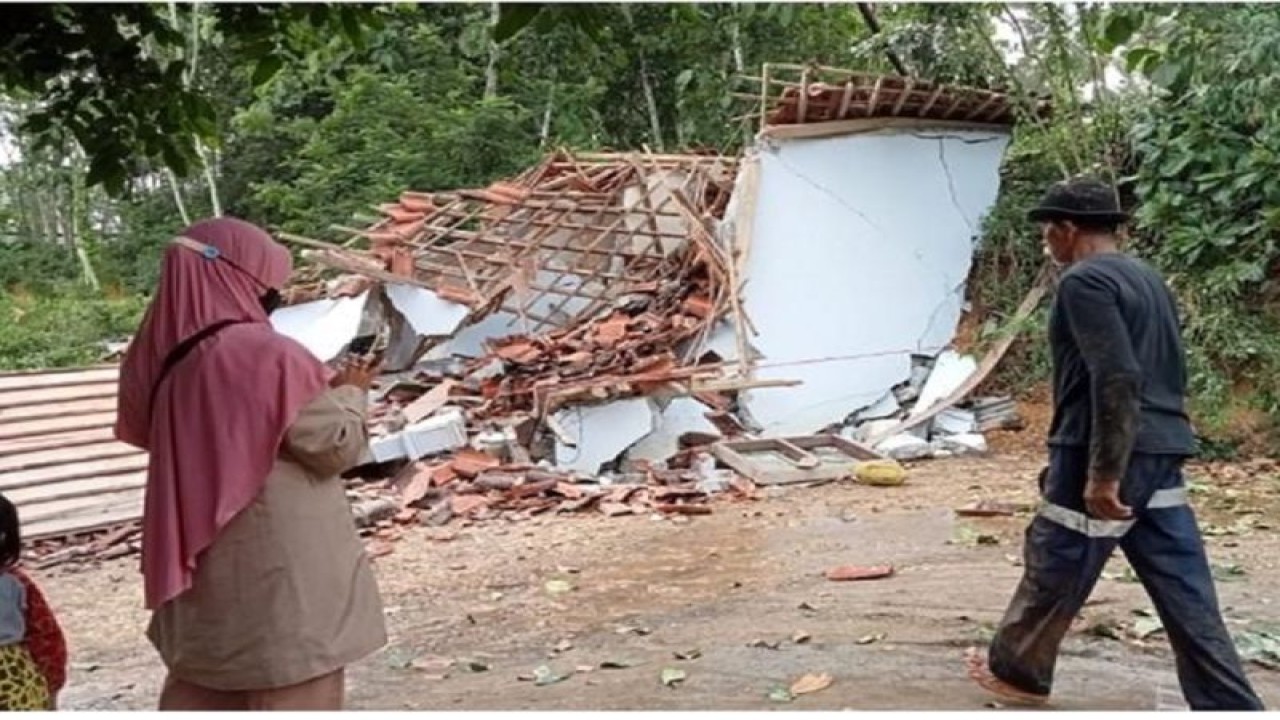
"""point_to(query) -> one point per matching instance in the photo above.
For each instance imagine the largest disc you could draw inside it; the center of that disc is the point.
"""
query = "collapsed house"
(617, 311)
(639, 331)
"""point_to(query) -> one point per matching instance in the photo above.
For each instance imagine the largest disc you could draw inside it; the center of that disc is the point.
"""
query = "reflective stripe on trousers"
(1096, 528)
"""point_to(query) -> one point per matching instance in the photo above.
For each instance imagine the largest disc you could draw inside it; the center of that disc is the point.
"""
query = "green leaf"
(683, 79)
(1166, 74)
(103, 166)
(780, 694)
(1118, 28)
(351, 27)
(268, 67)
(1139, 59)
(38, 122)
(512, 18)
(1145, 627)
(175, 159)
(544, 675)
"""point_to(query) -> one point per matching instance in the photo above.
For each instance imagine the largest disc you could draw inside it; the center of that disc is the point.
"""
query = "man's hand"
(1102, 497)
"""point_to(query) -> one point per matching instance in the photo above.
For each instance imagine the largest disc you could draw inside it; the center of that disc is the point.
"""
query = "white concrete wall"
(861, 246)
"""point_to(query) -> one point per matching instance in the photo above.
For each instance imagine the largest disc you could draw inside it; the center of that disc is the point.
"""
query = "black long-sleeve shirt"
(1119, 371)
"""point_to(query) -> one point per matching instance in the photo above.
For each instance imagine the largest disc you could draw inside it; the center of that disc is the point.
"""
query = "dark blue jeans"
(1062, 565)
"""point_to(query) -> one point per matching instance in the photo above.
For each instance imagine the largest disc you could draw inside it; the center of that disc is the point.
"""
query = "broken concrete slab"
(681, 415)
(954, 421)
(949, 372)
(428, 314)
(885, 407)
(600, 433)
(444, 432)
(962, 444)
(323, 327)
(875, 280)
(905, 447)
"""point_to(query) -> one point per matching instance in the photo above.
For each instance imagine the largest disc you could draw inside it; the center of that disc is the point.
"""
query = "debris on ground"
(846, 573)
(671, 676)
(811, 683)
(1260, 647)
(993, 508)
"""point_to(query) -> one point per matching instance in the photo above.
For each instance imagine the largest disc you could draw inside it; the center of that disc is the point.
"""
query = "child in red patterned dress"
(33, 651)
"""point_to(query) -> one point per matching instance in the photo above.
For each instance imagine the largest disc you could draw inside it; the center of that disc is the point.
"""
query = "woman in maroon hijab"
(260, 590)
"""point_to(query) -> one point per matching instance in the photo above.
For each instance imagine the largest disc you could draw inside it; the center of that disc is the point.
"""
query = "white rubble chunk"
(440, 433)
(324, 327)
(905, 447)
(600, 433)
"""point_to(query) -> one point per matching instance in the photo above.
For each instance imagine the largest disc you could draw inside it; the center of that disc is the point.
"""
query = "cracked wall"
(860, 248)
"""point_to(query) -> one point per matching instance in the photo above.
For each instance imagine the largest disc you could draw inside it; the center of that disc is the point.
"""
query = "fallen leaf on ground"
(476, 666)
(399, 659)
(544, 675)
(801, 637)
(811, 683)
(854, 572)
(617, 664)
(1105, 629)
(765, 644)
(585, 669)
(780, 694)
(672, 677)
(1145, 627)
(989, 508)
(1260, 647)
(559, 587)
(431, 664)
(562, 646)
(872, 638)
(378, 548)
(692, 654)
(1228, 572)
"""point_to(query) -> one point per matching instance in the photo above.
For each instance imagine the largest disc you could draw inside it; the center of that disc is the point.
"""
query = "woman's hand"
(357, 372)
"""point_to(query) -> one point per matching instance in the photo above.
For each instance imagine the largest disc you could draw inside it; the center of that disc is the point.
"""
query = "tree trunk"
(735, 33)
(495, 54)
(650, 100)
(544, 133)
(75, 227)
(177, 197)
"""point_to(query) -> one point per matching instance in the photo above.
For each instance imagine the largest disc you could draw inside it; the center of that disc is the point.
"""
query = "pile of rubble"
(611, 329)
(477, 437)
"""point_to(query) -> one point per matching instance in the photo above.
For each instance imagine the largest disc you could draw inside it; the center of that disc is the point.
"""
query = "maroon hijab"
(220, 414)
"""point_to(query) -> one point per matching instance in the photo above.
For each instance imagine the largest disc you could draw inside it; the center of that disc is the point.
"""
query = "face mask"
(271, 300)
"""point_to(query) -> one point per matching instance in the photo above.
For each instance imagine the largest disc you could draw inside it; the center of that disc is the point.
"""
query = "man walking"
(1117, 443)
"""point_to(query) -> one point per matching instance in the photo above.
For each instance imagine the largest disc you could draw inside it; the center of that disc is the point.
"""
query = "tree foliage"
(113, 76)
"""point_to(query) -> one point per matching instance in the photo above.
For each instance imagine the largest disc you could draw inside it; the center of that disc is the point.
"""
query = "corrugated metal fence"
(58, 460)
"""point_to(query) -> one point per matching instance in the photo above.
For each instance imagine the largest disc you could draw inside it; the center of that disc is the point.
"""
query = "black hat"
(1080, 200)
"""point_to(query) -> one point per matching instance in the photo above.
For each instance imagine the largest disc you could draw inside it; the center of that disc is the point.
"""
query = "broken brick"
(443, 474)
(418, 485)
(469, 463)
(674, 509)
(462, 296)
(698, 306)
(568, 490)
(468, 504)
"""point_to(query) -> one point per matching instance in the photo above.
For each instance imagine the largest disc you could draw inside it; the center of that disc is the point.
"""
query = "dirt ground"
(739, 593)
